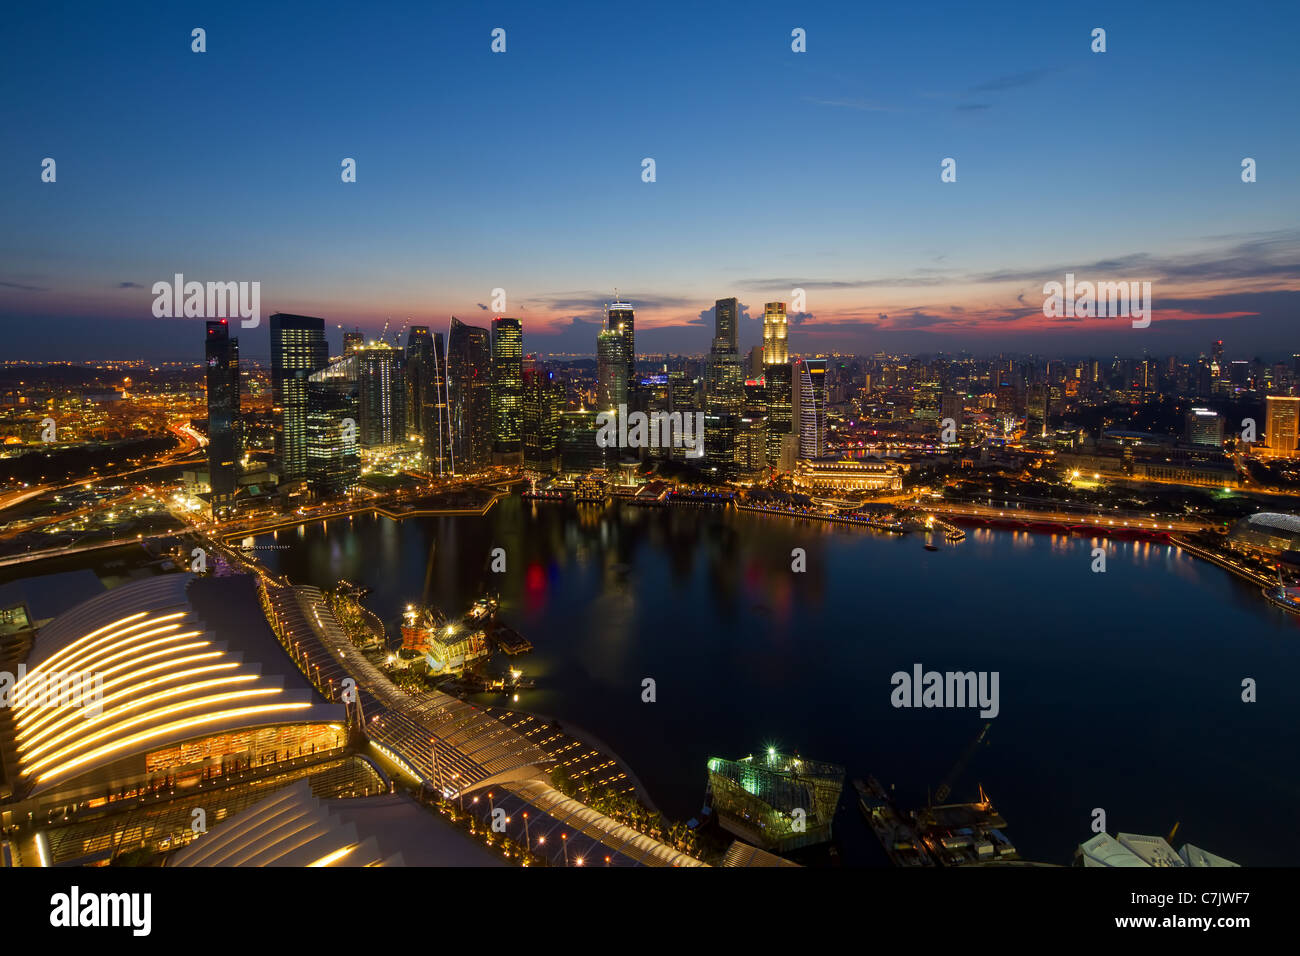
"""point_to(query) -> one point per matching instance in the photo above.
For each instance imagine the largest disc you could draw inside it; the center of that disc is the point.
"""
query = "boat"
(966, 834)
(931, 547)
(901, 843)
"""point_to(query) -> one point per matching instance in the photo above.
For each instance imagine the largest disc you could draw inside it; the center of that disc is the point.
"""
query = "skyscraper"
(810, 395)
(469, 388)
(222, 358)
(779, 378)
(419, 364)
(298, 348)
(1204, 427)
(333, 408)
(382, 394)
(619, 317)
(435, 417)
(543, 403)
(726, 320)
(725, 393)
(611, 370)
(507, 390)
(1282, 425)
(353, 341)
(775, 333)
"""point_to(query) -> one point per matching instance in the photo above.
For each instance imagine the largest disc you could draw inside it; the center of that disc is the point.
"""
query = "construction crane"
(945, 788)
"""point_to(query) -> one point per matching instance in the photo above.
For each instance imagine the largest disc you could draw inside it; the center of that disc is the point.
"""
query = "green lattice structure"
(776, 801)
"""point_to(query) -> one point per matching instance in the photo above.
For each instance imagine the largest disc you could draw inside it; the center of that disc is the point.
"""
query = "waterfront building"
(1137, 850)
(826, 474)
(1267, 534)
(775, 801)
(621, 318)
(543, 404)
(810, 406)
(724, 392)
(426, 386)
(298, 348)
(751, 441)
(779, 383)
(469, 386)
(579, 451)
(507, 390)
(221, 354)
(611, 370)
(381, 388)
(333, 441)
(416, 363)
(231, 700)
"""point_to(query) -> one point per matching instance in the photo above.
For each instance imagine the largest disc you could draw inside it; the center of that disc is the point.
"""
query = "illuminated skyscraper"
(507, 389)
(435, 418)
(382, 393)
(469, 385)
(775, 332)
(419, 362)
(1282, 426)
(1204, 427)
(726, 315)
(810, 396)
(355, 339)
(222, 358)
(298, 348)
(611, 370)
(724, 393)
(620, 318)
(543, 403)
(333, 410)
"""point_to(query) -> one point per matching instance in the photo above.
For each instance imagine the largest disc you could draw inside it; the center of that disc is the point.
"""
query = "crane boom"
(945, 788)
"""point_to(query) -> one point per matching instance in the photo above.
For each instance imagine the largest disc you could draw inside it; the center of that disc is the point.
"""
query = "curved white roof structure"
(137, 669)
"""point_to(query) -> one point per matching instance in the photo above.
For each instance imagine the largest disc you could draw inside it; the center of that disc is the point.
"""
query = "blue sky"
(774, 169)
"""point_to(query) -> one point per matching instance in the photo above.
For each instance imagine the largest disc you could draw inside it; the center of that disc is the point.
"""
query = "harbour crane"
(945, 788)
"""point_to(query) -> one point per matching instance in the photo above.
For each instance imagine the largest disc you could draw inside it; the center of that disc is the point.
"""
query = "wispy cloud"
(865, 106)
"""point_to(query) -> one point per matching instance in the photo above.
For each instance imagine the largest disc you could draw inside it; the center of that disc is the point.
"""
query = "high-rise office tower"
(353, 340)
(779, 377)
(469, 386)
(298, 348)
(1204, 427)
(1282, 425)
(620, 318)
(775, 333)
(435, 417)
(779, 382)
(611, 370)
(952, 406)
(507, 390)
(224, 445)
(579, 450)
(724, 393)
(333, 410)
(754, 367)
(810, 395)
(543, 403)
(419, 363)
(1036, 411)
(726, 321)
(382, 392)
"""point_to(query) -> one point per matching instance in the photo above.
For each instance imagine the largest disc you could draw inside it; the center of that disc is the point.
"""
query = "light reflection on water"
(1119, 689)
